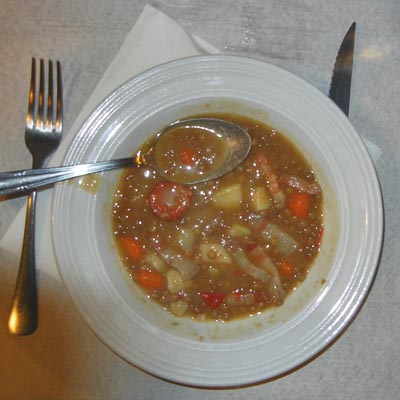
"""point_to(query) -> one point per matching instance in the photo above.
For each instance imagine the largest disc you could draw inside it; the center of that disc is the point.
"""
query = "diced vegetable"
(179, 308)
(238, 230)
(170, 201)
(186, 238)
(154, 261)
(150, 279)
(299, 204)
(274, 286)
(246, 265)
(214, 253)
(269, 231)
(240, 299)
(132, 247)
(260, 199)
(286, 244)
(187, 267)
(228, 197)
(174, 281)
(212, 299)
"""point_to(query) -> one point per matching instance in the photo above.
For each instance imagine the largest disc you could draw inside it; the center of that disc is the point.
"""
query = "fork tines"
(45, 118)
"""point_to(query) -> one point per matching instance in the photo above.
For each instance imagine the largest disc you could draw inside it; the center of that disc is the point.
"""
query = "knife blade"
(340, 88)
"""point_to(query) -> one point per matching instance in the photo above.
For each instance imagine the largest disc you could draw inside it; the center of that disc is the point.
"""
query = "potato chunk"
(237, 230)
(154, 261)
(186, 238)
(179, 307)
(174, 281)
(260, 199)
(228, 197)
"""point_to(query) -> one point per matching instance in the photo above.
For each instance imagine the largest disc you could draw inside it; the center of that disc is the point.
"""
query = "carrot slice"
(132, 247)
(299, 204)
(150, 279)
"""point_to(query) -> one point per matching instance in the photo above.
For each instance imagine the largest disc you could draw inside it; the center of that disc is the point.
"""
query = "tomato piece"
(169, 200)
(212, 299)
(249, 246)
(150, 279)
(299, 204)
(132, 247)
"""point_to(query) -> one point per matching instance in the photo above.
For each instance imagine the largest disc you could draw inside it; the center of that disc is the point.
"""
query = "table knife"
(340, 88)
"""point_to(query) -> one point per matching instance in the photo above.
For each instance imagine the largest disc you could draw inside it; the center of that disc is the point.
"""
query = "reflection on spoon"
(187, 151)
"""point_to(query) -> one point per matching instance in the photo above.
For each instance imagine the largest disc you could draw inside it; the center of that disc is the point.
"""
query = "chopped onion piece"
(186, 267)
(245, 265)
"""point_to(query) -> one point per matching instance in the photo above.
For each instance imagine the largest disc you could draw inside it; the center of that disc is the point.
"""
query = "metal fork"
(43, 132)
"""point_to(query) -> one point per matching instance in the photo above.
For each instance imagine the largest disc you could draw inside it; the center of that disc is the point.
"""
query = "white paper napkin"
(154, 39)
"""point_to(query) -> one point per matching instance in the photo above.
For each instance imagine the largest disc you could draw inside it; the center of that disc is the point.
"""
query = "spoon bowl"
(215, 147)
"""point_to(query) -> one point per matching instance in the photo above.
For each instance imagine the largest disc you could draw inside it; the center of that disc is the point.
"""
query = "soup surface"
(226, 248)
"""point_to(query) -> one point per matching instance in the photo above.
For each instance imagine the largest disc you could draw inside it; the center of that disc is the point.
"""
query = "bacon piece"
(272, 180)
(300, 184)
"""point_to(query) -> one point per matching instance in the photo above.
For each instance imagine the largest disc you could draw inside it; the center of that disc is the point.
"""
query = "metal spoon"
(236, 139)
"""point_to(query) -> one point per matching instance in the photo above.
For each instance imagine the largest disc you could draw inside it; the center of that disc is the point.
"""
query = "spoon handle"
(23, 181)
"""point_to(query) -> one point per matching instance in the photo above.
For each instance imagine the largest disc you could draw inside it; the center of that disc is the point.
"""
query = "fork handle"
(21, 182)
(23, 318)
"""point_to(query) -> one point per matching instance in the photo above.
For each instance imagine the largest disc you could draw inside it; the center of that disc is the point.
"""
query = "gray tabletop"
(64, 359)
